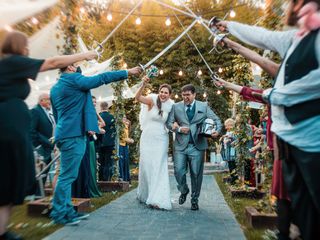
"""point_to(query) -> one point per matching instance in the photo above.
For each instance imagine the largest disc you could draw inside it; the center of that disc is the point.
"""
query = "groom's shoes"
(183, 197)
(194, 206)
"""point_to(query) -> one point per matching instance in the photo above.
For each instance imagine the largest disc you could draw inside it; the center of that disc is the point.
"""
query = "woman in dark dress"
(17, 169)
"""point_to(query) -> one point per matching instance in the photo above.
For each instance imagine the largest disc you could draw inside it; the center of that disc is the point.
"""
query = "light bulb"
(199, 72)
(176, 96)
(8, 28)
(138, 21)
(220, 70)
(180, 73)
(232, 13)
(218, 92)
(109, 17)
(161, 72)
(168, 21)
(204, 95)
(82, 10)
(34, 21)
(125, 65)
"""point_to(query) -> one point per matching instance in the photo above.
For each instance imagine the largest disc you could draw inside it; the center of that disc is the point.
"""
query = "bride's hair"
(159, 104)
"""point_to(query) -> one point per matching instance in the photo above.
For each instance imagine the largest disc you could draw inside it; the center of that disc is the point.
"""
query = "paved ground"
(126, 219)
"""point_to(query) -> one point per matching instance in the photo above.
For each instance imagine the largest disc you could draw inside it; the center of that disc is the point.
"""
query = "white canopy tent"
(13, 11)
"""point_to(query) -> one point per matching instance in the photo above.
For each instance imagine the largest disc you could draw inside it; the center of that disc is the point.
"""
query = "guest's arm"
(66, 60)
(87, 83)
(266, 64)
(260, 37)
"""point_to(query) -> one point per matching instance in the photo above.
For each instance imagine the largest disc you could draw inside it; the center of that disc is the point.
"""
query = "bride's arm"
(139, 97)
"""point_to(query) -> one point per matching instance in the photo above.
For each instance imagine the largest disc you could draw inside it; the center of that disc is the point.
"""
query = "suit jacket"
(41, 131)
(178, 114)
(108, 139)
(72, 104)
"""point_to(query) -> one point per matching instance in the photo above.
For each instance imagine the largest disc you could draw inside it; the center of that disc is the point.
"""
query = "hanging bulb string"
(99, 48)
(169, 46)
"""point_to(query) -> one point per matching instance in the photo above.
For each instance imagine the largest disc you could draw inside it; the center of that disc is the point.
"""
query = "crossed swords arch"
(204, 22)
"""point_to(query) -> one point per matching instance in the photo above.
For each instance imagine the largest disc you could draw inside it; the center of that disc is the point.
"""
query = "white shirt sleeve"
(301, 90)
(262, 38)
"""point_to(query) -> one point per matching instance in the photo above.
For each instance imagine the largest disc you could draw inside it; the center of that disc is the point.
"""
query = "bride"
(154, 189)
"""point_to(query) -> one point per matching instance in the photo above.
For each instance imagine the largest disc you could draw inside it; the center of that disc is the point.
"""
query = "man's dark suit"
(41, 132)
(107, 147)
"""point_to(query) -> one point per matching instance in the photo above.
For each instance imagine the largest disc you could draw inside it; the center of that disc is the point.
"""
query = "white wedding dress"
(154, 186)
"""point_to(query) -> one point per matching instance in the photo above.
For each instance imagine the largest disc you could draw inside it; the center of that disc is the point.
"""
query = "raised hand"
(145, 80)
(222, 26)
(91, 55)
(136, 71)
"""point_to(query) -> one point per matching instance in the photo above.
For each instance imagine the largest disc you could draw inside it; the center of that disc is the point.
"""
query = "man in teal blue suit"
(75, 115)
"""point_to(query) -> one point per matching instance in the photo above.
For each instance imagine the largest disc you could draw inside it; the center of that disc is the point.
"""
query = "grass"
(237, 206)
(34, 228)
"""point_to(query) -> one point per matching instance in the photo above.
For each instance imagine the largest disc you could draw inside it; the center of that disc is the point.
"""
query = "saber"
(217, 37)
(99, 48)
(169, 46)
(213, 75)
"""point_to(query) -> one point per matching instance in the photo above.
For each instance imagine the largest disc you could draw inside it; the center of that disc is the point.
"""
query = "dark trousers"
(124, 163)
(302, 177)
(232, 170)
(284, 218)
(106, 163)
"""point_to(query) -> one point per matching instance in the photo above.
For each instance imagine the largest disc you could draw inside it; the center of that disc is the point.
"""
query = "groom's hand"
(214, 134)
(184, 130)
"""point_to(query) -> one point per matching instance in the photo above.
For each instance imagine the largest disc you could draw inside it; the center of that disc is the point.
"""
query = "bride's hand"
(175, 126)
(145, 80)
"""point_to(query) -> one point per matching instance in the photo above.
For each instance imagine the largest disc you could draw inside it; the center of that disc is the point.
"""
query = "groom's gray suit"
(189, 148)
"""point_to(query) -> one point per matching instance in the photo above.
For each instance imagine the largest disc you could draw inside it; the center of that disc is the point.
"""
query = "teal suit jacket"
(72, 104)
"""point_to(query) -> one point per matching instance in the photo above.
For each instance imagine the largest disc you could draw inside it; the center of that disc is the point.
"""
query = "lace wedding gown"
(154, 186)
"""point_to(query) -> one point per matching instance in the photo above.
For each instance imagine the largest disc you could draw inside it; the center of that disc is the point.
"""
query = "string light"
(168, 21)
(176, 96)
(218, 92)
(34, 21)
(82, 10)
(109, 17)
(232, 13)
(199, 72)
(138, 21)
(180, 73)
(125, 65)
(161, 72)
(220, 70)
(204, 94)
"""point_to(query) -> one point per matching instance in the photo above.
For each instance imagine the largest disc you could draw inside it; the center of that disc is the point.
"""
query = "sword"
(168, 47)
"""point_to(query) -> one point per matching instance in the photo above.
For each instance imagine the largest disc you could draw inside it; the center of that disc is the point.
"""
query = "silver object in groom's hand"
(208, 127)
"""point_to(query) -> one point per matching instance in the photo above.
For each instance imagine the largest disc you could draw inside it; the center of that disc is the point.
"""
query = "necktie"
(189, 113)
(51, 118)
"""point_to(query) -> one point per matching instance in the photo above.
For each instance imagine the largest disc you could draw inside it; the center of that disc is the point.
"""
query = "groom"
(185, 120)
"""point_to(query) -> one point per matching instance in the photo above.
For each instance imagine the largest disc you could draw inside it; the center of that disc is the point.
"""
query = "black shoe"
(183, 197)
(194, 206)
(11, 236)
